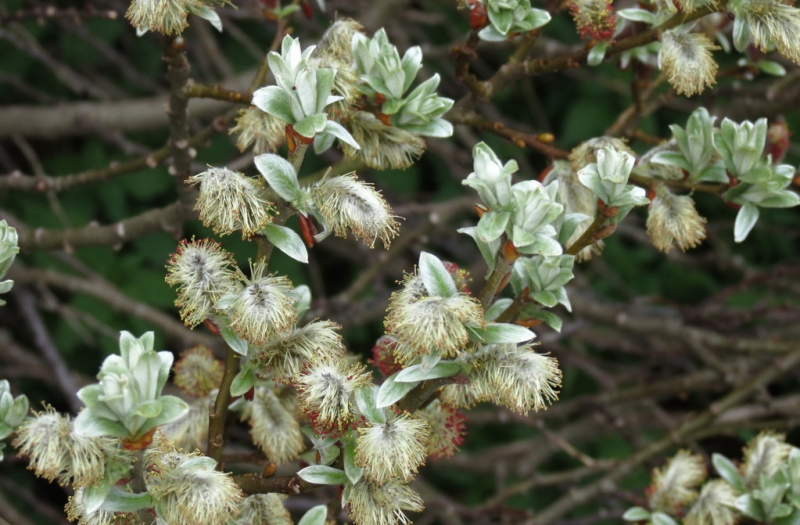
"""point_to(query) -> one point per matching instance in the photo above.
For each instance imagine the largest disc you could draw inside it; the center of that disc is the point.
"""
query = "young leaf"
(322, 475)
(286, 240)
(500, 333)
(314, 516)
(392, 391)
(236, 343)
(366, 400)
(350, 468)
(280, 176)
(95, 495)
(728, 471)
(435, 276)
(636, 514)
(244, 381)
(416, 373)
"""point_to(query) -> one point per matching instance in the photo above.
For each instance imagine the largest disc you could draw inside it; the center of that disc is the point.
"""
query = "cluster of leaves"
(765, 487)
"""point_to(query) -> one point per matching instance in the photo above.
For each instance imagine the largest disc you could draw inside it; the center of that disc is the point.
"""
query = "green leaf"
(392, 391)
(286, 240)
(659, 518)
(280, 176)
(172, 408)
(597, 54)
(749, 506)
(366, 400)
(771, 68)
(89, 425)
(416, 373)
(353, 472)
(549, 318)
(500, 333)
(671, 158)
(435, 276)
(243, 381)
(745, 220)
(275, 101)
(335, 129)
(636, 514)
(94, 496)
(121, 501)
(728, 471)
(492, 225)
(638, 15)
(148, 409)
(209, 14)
(314, 516)
(497, 308)
(237, 344)
(311, 125)
(323, 475)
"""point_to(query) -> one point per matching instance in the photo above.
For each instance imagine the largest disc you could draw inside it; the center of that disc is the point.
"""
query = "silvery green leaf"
(311, 125)
(428, 361)
(490, 34)
(793, 518)
(534, 19)
(172, 408)
(199, 462)
(499, 333)
(325, 78)
(547, 317)
(637, 15)
(352, 470)
(492, 225)
(597, 54)
(781, 510)
(366, 400)
(715, 172)
(314, 516)
(745, 220)
(306, 91)
(411, 64)
(89, 425)
(209, 14)
(236, 343)
(323, 142)
(416, 373)
(771, 68)
(636, 514)
(659, 518)
(244, 380)
(741, 34)
(94, 496)
(286, 240)
(501, 19)
(274, 101)
(435, 276)
(563, 299)
(302, 299)
(488, 250)
(542, 245)
(671, 158)
(749, 506)
(437, 128)
(728, 471)
(545, 298)
(323, 475)
(392, 391)
(280, 176)
(338, 131)
(779, 199)
(122, 501)
(499, 306)
(147, 409)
